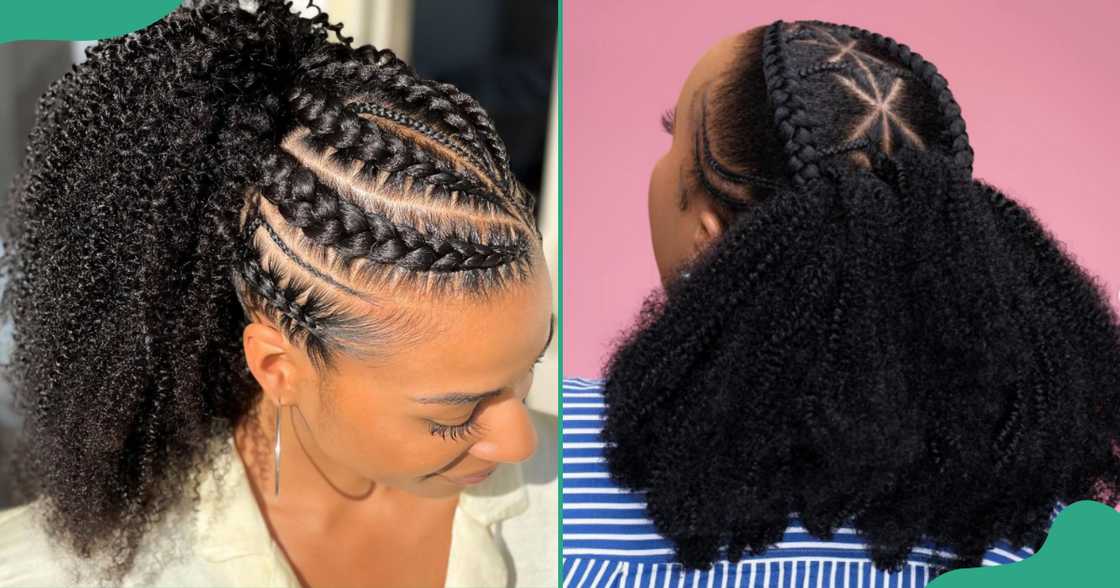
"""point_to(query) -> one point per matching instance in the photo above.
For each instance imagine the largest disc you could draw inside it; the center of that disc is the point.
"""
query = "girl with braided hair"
(865, 367)
(277, 301)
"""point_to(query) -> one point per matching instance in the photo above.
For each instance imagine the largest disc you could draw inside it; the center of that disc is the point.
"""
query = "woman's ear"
(709, 226)
(270, 357)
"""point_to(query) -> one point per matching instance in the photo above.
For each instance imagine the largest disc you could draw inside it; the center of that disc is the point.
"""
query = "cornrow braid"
(282, 246)
(705, 161)
(790, 111)
(334, 222)
(460, 111)
(402, 83)
(404, 120)
(485, 125)
(337, 125)
(315, 322)
(265, 283)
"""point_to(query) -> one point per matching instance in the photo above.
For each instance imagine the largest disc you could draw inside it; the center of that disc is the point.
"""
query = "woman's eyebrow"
(457, 398)
(461, 398)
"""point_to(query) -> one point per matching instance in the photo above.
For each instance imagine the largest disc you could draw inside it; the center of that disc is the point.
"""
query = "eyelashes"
(471, 426)
(668, 118)
(455, 432)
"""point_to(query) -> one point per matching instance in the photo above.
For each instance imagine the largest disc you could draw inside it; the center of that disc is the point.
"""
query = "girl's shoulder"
(576, 385)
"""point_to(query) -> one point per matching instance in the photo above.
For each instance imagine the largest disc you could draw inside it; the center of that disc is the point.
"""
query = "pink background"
(1037, 86)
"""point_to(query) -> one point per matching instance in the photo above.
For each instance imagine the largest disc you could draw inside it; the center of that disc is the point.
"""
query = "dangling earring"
(277, 449)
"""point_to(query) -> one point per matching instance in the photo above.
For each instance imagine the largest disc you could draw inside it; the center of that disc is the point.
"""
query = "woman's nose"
(510, 436)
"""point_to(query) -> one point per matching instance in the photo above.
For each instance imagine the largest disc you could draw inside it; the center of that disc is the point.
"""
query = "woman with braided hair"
(865, 367)
(277, 302)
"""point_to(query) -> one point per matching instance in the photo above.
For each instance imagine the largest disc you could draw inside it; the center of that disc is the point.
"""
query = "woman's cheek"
(395, 447)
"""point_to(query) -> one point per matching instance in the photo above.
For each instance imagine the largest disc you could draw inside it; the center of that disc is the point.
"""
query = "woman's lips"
(474, 478)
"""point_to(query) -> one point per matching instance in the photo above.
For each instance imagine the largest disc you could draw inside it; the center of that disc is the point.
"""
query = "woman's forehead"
(466, 343)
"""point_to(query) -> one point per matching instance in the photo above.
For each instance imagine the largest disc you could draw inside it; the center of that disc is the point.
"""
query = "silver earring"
(277, 450)
(686, 275)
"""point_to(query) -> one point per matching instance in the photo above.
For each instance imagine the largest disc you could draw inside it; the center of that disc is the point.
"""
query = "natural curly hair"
(219, 166)
(878, 339)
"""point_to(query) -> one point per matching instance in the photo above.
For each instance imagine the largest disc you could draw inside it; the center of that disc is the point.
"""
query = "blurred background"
(1036, 84)
(503, 52)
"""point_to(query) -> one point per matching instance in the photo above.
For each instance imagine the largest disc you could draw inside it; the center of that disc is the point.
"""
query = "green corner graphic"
(1080, 550)
(78, 20)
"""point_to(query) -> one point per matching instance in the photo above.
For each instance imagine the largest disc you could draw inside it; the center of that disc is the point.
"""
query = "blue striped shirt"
(609, 541)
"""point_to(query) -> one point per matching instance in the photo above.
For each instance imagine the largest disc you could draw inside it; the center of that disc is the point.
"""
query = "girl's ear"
(709, 226)
(272, 361)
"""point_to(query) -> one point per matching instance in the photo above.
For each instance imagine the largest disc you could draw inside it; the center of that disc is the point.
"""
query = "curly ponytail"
(218, 166)
(878, 339)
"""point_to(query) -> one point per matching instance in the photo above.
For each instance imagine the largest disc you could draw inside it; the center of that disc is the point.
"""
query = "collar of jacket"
(229, 523)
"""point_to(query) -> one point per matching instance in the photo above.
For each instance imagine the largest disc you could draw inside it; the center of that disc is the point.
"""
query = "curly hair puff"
(877, 340)
(219, 166)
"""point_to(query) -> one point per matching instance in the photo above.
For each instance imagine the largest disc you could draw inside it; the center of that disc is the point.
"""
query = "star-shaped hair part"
(880, 108)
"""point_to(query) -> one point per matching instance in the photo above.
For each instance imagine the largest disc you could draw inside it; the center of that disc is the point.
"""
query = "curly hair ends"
(218, 166)
(897, 346)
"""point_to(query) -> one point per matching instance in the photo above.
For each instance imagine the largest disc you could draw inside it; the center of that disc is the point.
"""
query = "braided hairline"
(704, 160)
(710, 161)
(265, 282)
